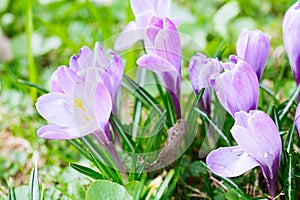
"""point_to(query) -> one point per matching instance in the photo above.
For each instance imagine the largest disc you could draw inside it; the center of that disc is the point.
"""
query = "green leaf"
(133, 187)
(290, 103)
(231, 194)
(120, 129)
(289, 178)
(34, 190)
(86, 171)
(78, 190)
(290, 140)
(40, 88)
(11, 190)
(196, 169)
(164, 185)
(141, 94)
(104, 189)
(213, 125)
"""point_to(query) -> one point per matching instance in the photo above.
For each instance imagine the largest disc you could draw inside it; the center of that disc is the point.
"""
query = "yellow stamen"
(78, 104)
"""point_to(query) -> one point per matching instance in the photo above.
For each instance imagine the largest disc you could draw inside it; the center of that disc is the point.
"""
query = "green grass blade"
(140, 188)
(164, 185)
(173, 184)
(79, 147)
(11, 190)
(141, 73)
(34, 190)
(290, 103)
(86, 171)
(120, 129)
(38, 87)
(289, 178)
(213, 125)
(290, 140)
(33, 78)
(141, 94)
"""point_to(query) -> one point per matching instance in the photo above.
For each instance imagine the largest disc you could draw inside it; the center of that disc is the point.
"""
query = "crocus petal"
(291, 39)
(66, 79)
(129, 36)
(100, 58)
(84, 58)
(230, 161)
(140, 6)
(201, 69)
(238, 87)
(143, 19)
(261, 140)
(163, 8)
(254, 48)
(57, 132)
(54, 85)
(297, 120)
(57, 108)
(155, 63)
(103, 104)
(167, 44)
(261, 130)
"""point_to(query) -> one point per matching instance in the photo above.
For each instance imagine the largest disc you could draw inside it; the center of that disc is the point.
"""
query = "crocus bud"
(237, 88)
(163, 56)
(259, 144)
(201, 69)
(254, 47)
(291, 39)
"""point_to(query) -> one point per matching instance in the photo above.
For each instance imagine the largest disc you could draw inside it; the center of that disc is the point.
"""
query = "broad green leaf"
(107, 190)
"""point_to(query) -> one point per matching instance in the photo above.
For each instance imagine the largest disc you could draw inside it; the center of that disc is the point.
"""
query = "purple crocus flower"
(259, 144)
(254, 48)
(297, 120)
(201, 69)
(162, 44)
(82, 97)
(237, 88)
(291, 32)
(143, 11)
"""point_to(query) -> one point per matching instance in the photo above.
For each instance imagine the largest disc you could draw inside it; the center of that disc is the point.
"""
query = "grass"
(58, 29)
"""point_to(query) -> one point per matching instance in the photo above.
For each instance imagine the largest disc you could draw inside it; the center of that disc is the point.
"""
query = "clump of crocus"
(259, 144)
(237, 88)
(254, 47)
(143, 11)
(201, 69)
(82, 97)
(163, 56)
(291, 32)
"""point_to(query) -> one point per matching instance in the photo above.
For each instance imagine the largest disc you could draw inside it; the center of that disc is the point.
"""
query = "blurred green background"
(57, 29)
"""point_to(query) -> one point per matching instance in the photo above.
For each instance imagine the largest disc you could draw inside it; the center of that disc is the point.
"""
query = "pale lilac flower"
(291, 39)
(143, 11)
(254, 48)
(82, 96)
(162, 45)
(237, 88)
(297, 120)
(259, 144)
(201, 69)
